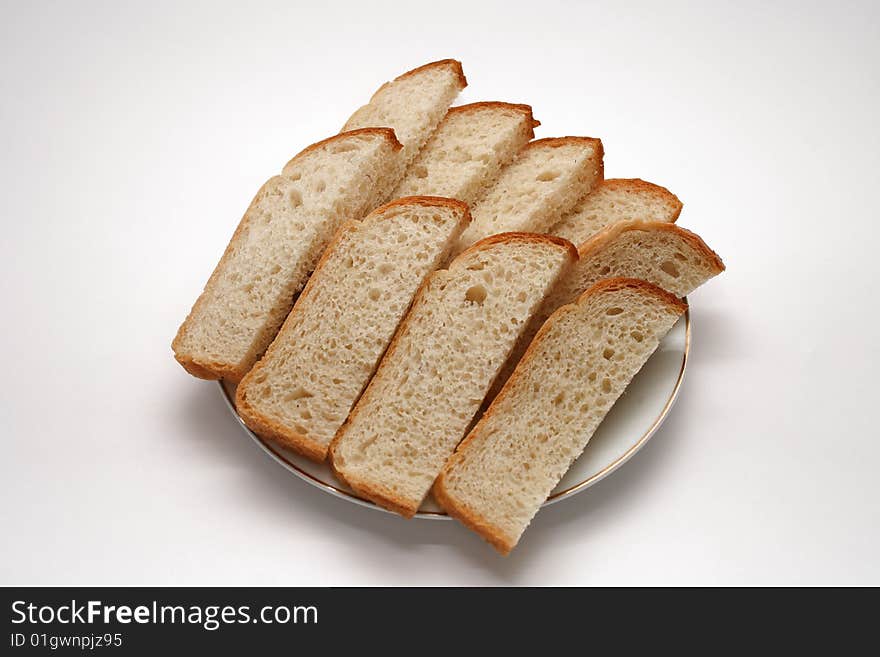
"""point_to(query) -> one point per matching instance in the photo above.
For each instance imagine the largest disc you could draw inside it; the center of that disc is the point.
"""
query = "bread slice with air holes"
(276, 246)
(545, 181)
(579, 364)
(656, 251)
(463, 323)
(301, 391)
(465, 155)
(413, 104)
(614, 200)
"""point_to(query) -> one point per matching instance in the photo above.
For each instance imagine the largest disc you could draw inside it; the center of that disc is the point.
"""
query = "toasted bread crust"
(462, 512)
(443, 63)
(466, 516)
(612, 232)
(269, 429)
(644, 287)
(454, 64)
(210, 371)
(514, 236)
(387, 133)
(557, 142)
(387, 498)
(425, 201)
(639, 185)
(378, 494)
(265, 426)
(516, 108)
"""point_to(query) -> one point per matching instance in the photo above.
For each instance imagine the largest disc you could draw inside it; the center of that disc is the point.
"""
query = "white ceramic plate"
(633, 420)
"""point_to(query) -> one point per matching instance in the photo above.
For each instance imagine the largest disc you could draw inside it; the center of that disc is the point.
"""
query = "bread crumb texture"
(574, 371)
(614, 200)
(331, 343)
(277, 245)
(413, 104)
(659, 252)
(466, 153)
(545, 182)
(433, 379)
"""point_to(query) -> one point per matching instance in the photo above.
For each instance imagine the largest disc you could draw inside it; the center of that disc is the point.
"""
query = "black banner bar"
(147, 620)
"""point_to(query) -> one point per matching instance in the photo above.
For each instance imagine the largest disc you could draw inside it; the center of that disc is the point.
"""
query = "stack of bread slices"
(433, 300)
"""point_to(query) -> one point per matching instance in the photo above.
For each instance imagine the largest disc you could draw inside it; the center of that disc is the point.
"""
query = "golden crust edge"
(639, 185)
(271, 430)
(440, 63)
(380, 495)
(518, 236)
(557, 142)
(478, 106)
(597, 158)
(386, 133)
(612, 232)
(209, 370)
(424, 201)
(473, 521)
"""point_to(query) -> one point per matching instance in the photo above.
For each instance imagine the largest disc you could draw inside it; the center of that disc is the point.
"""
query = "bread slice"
(413, 104)
(276, 246)
(546, 181)
(579, 364)
(616, 200)
(661, 253)
(301, 391)
(429, 385)
(466, 153)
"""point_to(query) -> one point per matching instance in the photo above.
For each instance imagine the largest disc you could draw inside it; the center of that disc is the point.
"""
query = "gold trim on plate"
(282, 459)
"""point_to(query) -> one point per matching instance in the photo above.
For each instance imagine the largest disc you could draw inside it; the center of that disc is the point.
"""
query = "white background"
(134, 136)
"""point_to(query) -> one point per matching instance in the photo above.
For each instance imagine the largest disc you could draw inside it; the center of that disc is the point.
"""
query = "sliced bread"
(276, 246)
(545, 181)
(463, 324)
(579, 364)
(466, 153)
(413, 104)
(656, 251)
(301, 391)
(616, 200)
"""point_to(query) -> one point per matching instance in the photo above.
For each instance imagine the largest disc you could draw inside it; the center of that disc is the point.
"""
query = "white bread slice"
(617, 199)
(655, 251)
(301, 391)
(546, 181)
(463, 324)
(466, 153)
(413, 104)
(276, 246)
(579, 364)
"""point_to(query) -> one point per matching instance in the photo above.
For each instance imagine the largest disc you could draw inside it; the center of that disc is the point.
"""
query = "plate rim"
(569, 492)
